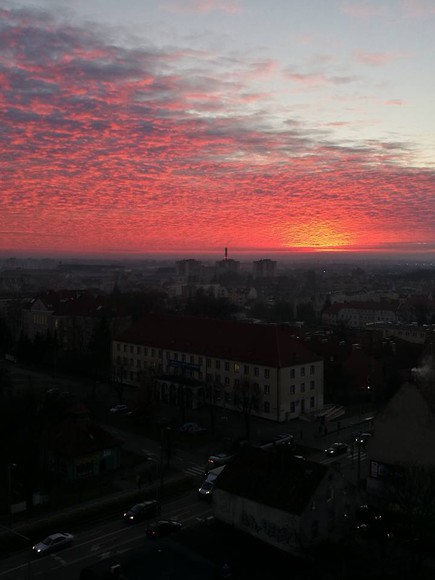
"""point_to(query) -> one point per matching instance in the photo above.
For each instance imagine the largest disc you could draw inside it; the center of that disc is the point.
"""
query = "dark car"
(362, 438)
(142, 511)
(192, 428)
(163, 528)
(336, 449)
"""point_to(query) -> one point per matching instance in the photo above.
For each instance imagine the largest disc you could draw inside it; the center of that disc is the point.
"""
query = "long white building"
(191, 360)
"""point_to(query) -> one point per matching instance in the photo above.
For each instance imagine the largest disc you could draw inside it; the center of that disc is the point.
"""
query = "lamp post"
(10, 467)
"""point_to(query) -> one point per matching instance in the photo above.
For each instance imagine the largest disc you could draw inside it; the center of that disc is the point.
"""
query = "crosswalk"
(195, 470)
(351, 457)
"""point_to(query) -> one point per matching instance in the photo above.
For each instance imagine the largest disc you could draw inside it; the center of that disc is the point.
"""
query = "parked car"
(163, 528)
(120, 409)
(192, 428)
(336, 449)
(362, 438)
(53, 543)
(142, 511)
(275, 440)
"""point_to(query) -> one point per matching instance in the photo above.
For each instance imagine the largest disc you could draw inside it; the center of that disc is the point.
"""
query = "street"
(100, 541)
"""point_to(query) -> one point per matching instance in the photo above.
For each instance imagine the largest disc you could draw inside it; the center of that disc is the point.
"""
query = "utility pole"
(359, 465)
(10, 467)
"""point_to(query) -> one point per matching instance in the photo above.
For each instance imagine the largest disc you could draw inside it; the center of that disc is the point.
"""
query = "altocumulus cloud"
(165, 149)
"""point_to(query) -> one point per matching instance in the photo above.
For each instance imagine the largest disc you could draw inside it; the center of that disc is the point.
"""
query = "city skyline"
(185, 126)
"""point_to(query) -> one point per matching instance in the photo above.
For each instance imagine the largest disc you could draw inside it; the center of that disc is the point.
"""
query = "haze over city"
(184, 126)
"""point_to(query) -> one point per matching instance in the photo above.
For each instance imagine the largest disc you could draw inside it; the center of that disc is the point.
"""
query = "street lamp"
(10, 467)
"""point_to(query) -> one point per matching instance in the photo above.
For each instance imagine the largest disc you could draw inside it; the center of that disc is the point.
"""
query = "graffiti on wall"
(280, 534)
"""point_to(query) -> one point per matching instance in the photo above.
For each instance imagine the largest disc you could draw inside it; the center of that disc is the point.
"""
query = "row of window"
(302, 387)
(227, 366)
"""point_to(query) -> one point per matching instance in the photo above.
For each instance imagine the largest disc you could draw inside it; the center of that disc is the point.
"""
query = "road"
(100, 541)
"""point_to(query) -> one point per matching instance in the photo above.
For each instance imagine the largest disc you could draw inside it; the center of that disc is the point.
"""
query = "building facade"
(264, 268)
(287, 502)
(231, 364)
(359, 314)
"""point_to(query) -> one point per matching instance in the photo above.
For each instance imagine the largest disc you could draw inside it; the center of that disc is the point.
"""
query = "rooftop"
(271, 345)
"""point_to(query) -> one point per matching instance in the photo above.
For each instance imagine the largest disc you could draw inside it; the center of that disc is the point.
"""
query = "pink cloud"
(363, 9)
(418, 8)
(376, 58)
(101, 151)
(395, 102)
(204, 6)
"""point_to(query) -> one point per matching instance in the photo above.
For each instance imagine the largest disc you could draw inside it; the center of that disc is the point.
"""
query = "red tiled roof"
(264, 344)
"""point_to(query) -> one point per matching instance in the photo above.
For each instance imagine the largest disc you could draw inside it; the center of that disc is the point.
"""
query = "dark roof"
(374, 306)
(265, 344)
(75, 437)
(274, 478)
(75, 303)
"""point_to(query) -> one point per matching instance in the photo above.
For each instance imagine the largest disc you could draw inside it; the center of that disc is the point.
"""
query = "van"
(217, 461)
(207, 486)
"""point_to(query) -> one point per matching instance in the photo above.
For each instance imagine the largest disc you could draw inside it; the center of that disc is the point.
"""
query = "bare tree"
(247, 398)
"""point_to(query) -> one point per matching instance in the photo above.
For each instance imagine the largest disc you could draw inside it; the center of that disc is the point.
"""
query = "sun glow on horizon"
(318, 235)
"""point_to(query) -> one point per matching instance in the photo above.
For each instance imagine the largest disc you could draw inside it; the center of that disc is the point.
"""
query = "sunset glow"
(153, 134)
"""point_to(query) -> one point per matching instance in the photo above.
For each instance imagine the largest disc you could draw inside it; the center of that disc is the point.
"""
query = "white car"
(120, 409)
(53, 543)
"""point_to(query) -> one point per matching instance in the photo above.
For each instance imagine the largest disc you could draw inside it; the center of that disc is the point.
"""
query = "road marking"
(104, 555)
(59, 559)
(195, 470)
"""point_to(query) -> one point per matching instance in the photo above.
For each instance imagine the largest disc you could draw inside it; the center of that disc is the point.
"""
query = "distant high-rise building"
(264, 269)
(189, 268)
(227, 265)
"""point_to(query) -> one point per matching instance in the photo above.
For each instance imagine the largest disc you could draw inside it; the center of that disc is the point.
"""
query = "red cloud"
(109, 149)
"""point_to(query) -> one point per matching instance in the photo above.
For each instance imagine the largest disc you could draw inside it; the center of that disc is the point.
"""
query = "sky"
(153, 126)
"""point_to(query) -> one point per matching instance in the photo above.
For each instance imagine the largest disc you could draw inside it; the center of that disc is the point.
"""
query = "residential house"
(404, 435)
(285, 501)
(70, 315)
(359, 314)
(79, 448)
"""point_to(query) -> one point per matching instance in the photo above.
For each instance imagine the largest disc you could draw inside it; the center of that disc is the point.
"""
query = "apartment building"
(189, 361)
(359, 314)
